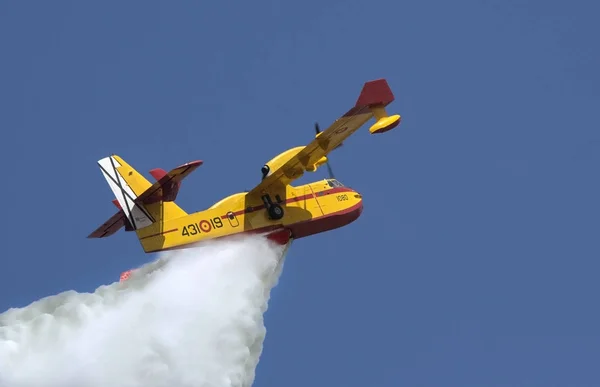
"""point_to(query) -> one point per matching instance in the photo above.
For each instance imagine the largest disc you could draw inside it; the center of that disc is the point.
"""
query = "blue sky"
(475, 260)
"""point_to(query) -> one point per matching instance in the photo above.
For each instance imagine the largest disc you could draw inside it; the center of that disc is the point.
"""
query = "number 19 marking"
(202, 226)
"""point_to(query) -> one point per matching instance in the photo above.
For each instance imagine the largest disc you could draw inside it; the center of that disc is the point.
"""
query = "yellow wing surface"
(373, 99)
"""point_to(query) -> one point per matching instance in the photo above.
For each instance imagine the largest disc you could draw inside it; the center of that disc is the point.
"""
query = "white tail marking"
(136, 213)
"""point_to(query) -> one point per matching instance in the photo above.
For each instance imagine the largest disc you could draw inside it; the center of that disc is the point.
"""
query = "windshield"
(333, 183)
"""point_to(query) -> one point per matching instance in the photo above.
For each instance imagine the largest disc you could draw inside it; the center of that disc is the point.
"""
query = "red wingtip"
(159, 173)
(116, 203)
(375, 92)
(195, 163)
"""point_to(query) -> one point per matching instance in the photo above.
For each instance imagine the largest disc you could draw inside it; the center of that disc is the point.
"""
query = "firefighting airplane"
(274, 207)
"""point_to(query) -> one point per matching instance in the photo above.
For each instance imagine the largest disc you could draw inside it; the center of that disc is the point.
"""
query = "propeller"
(329, 169)
(317, 129)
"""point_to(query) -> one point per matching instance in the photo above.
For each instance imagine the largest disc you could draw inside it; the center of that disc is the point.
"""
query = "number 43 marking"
(202, 226)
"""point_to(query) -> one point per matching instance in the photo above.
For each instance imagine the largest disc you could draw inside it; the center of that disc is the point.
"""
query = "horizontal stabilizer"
(111, 226)
(167, 187)
(158, 173)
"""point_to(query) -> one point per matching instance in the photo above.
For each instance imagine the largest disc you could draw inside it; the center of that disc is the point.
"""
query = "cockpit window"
(333, 183)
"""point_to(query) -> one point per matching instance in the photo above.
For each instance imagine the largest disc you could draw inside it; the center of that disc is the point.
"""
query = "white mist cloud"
(196, 320)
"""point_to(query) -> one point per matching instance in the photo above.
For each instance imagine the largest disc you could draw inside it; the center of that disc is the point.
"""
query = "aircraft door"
(312, 201)
(233, 220)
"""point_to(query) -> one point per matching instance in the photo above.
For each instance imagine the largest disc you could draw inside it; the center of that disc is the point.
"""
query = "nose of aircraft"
(357, 205)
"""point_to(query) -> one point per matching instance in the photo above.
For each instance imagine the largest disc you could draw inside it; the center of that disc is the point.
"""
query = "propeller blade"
(330, 170)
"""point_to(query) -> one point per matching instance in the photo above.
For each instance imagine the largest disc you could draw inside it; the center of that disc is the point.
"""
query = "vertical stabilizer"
(127, 184)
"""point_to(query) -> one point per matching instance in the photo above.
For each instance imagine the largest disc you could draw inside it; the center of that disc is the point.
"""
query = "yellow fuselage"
(308, 209)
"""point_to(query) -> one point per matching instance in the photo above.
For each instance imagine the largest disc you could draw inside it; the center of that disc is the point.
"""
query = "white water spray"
(192, 318)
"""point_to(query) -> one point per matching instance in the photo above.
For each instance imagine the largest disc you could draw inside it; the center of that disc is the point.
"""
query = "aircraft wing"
(374, 97)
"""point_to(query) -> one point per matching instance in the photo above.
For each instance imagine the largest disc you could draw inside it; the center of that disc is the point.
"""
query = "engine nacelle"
(282, 158)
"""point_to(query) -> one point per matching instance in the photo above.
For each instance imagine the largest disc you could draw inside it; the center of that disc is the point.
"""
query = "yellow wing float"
(274, 207)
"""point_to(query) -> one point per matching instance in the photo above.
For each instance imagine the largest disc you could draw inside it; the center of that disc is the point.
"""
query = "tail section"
(127, 184)
(141, 204)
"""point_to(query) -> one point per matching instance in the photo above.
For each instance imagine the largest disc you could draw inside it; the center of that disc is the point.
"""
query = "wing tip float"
(376, 95)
